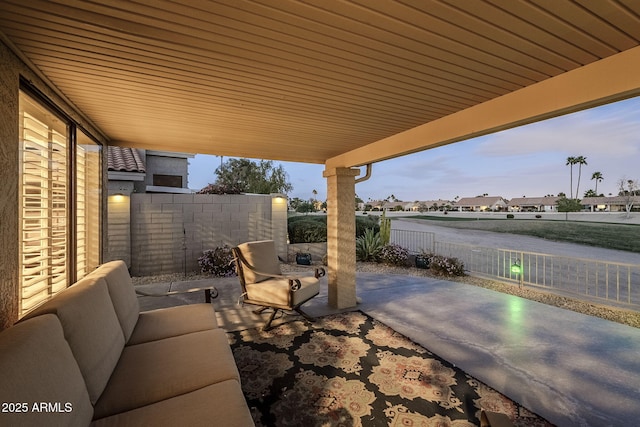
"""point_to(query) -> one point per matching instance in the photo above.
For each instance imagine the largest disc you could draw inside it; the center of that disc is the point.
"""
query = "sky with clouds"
(525, 161)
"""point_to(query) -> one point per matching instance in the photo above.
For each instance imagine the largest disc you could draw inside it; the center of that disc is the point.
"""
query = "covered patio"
(570, 368)
(344, 84)
(335, 83)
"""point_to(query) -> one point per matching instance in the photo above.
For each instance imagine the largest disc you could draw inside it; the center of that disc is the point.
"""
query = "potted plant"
(303, 258)
(423, 259)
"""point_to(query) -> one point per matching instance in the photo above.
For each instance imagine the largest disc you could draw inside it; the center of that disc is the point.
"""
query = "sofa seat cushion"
(276, 291)
(173, 321)
(91, 327)
(37, 365)
(220, 404)
(151, 372)
(122, 292)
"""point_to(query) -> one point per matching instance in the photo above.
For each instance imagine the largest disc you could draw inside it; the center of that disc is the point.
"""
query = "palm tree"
(598, 177)
(580, 160)
(571, 161)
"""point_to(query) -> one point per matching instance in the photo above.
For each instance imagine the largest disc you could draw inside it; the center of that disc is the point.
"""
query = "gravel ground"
(625, 317)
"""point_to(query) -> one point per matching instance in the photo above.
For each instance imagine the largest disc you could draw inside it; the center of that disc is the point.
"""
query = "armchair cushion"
(276, 291)
(261, 255)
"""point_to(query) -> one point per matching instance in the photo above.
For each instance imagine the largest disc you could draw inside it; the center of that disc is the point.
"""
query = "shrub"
(313, 228)
(366, 222)
(446, 266)
(220, 189)
(394, 254)
(368, 246)
(218, 262)
(316, 218)
(307, 231)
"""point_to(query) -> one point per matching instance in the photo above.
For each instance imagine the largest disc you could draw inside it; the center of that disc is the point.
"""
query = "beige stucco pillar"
(341, 240)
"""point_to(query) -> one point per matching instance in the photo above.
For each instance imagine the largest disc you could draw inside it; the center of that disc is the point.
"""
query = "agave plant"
(368, 246)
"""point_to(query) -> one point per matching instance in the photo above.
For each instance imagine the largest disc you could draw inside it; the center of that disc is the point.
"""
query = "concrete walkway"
(572, 369)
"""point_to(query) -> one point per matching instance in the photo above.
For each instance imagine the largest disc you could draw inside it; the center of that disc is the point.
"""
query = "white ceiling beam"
(610, 79)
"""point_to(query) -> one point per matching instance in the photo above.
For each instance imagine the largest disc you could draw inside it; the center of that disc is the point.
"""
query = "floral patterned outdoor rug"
(351, 370)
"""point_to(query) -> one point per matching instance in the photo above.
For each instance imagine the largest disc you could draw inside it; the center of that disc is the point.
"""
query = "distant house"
(432, 205)
(384, 205)
(138, 171)
(416, 206)
(481, 204)
(609, 204)
(145, 171)
(533, 204)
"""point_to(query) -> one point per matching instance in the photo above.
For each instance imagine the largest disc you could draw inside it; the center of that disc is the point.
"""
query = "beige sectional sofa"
(90, 357)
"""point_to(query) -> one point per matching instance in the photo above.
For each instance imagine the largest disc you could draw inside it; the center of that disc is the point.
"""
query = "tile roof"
(617, 200)
(122, 159)
(480, 201)
(534, 201)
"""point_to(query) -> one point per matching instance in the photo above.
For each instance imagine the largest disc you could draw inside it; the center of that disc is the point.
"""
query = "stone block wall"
(169, 232)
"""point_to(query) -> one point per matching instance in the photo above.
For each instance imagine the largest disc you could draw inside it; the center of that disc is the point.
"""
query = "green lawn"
(623, 237)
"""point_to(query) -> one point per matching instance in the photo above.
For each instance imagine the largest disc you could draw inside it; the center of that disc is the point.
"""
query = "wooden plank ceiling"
(301, 80)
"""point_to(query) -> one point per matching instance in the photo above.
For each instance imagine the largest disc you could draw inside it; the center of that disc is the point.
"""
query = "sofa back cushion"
(123, 295)
(262, 256)
(92, 329)
(36, 368)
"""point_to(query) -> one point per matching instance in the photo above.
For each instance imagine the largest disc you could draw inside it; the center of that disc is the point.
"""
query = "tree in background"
(570, 162)
(577, 160)
(598, 177)
(628, 188)
(569, 205)
(359, 202)
(246, 176)
(580, 160)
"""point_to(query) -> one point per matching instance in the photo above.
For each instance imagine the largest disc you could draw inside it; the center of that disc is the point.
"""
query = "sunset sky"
(526, 161)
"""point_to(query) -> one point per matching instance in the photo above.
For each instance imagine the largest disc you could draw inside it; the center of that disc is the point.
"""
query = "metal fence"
(414, 241)
(606, 280)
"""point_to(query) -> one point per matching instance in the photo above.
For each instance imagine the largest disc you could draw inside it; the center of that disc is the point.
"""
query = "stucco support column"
(341, 236)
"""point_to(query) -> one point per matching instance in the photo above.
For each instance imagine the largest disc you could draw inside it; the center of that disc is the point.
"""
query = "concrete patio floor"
(572, 369)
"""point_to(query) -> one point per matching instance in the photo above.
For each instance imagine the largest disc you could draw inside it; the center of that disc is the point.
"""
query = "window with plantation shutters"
(59, 218)
(88, 155)
(44, 193)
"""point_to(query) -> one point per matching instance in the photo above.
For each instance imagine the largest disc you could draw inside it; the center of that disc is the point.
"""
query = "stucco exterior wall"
(169, 229)
(175, 164)
(9, 84)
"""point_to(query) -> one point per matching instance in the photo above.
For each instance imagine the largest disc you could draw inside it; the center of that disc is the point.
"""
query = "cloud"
(611, 131)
